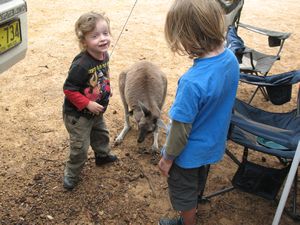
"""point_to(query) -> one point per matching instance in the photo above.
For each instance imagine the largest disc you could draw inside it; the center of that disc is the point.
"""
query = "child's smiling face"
(98, 40)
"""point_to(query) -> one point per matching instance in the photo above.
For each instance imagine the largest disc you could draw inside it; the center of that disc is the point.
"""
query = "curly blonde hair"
(195, 27)
(86, 23)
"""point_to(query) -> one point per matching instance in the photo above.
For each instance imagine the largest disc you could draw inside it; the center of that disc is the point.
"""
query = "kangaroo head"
(147, 122)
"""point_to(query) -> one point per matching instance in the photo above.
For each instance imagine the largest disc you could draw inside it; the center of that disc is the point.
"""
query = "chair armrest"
(286, 78)
(249, 52)
(253, 79)
(270, 33)
(280, 136)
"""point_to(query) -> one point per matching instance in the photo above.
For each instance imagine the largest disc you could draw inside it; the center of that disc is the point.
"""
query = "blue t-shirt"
(204, 98)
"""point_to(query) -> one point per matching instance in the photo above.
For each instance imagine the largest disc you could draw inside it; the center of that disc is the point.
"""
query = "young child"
(87, 91)
(201, 111)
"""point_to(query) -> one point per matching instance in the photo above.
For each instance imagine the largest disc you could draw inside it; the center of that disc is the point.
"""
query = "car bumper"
(12, 10)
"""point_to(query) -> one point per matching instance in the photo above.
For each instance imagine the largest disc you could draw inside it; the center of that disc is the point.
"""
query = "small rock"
(50, 217)
(37, 177)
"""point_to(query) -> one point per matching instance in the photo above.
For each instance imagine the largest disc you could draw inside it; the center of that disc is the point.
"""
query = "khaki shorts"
(185, 186)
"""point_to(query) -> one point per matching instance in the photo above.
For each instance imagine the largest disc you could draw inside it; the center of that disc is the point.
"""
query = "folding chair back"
(252, 60)
(232, 10)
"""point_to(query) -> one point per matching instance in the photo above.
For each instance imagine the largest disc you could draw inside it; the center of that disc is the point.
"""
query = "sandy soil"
(34, 142)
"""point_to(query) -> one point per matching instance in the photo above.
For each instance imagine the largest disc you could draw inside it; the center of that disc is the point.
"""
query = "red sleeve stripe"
(77, 99)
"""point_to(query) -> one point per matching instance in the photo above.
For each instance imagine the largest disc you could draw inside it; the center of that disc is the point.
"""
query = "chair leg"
(207, 197)
(291, 178)
(233, 158)
(295, 193)
(263, 91)
(293, 212)
(249, 102)
(204, 199)
(201, 198)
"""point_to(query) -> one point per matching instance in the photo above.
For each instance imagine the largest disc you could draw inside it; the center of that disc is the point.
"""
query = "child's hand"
(164, 166)
(95, 108)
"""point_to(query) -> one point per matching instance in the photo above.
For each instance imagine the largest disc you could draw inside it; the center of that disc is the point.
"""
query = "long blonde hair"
(86, 23)
(194, 27)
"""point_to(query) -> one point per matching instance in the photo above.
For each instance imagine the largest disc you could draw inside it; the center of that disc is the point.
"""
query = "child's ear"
(83, 43)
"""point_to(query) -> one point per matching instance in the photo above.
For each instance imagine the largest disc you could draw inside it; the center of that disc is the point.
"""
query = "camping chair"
(274, 134)
(252, 61)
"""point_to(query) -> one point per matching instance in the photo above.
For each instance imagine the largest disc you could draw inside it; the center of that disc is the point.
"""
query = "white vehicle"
(13, 32)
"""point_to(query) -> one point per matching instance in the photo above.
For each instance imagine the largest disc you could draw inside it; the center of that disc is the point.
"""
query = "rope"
(123, 28)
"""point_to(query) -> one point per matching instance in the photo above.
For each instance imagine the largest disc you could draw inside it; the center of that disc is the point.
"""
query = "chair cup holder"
(279, 95)
(259, 180)
(273, 41)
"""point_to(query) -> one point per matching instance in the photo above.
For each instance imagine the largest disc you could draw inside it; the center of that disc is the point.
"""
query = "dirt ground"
(34, 143)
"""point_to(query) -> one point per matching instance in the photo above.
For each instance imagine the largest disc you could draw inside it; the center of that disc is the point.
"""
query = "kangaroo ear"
(144, 109)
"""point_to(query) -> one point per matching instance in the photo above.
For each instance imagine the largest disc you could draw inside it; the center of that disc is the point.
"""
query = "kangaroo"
(143, 89)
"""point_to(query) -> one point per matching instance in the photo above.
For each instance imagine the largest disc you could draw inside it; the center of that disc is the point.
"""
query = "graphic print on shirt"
(99, 87)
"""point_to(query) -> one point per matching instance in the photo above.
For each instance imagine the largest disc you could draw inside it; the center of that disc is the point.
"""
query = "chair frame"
(291, 159)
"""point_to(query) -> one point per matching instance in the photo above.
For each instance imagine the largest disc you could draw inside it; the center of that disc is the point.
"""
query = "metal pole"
(287, 186)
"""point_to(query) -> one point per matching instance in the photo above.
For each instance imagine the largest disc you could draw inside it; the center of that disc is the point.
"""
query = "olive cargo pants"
(84, 132)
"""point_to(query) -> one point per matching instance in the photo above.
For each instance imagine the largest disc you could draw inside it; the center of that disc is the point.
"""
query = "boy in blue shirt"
(202, 107)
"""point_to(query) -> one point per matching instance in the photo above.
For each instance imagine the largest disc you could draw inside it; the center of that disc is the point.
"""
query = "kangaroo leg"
(155, 141)
(160, 124)
(125, 130)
